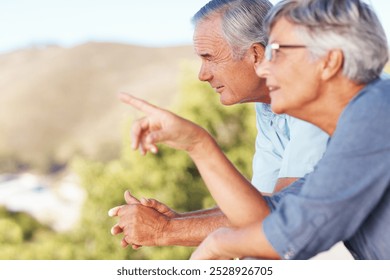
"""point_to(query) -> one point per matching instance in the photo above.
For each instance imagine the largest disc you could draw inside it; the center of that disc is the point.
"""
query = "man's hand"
(161, 126)
(142, 225)
(136, 213)
(160, 207)
(114, 212)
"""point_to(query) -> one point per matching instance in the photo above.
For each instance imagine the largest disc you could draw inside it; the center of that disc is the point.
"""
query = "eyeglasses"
(270, 49)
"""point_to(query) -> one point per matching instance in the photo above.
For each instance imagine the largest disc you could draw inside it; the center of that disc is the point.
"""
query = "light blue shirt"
(285, 147)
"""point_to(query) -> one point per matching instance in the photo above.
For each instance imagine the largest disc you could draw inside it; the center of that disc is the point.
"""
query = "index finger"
(137, 103)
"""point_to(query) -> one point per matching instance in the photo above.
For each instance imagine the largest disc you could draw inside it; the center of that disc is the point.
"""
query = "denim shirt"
(347, 196)
(286, 147)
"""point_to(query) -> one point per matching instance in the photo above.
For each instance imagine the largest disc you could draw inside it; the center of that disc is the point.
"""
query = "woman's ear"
(333, 64)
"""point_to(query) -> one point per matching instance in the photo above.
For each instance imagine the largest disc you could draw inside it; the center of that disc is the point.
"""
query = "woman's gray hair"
(349, 25)
(242, 22)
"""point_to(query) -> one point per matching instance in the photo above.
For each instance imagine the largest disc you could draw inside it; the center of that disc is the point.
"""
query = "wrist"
(160, 228)
(175, 233)
(185, 231)
(203, 145)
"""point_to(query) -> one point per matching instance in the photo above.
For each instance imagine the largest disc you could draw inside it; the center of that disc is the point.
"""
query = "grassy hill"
(56, 102)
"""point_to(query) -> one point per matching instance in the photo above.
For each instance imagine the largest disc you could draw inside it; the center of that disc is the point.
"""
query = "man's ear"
(257, 52)
(333, 64)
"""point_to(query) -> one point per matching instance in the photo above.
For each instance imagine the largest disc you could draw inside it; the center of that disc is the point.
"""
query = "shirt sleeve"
(306, 147)
(339, 195)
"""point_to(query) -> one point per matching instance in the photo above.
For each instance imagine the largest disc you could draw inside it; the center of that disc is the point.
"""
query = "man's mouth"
(219, 88)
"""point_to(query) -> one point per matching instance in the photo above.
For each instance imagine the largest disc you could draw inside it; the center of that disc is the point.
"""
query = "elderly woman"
(322, 65)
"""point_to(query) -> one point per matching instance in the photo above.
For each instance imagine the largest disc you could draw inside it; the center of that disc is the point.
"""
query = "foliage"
(169, 176)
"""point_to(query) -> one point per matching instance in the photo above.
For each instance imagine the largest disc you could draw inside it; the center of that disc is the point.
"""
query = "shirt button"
(288, 255)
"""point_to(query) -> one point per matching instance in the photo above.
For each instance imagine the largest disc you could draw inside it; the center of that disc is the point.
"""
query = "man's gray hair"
(242, 22)
(349, 25)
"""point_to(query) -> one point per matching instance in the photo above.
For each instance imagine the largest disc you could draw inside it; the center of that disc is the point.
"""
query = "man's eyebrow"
(205, 55)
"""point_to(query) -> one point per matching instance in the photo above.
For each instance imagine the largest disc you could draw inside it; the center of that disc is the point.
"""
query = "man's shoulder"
(285, 122)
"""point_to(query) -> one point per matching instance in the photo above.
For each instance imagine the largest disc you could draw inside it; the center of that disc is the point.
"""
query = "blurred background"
(65, 156)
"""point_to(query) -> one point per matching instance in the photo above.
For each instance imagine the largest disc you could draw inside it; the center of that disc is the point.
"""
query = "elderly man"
(230, 40)
(315, 71)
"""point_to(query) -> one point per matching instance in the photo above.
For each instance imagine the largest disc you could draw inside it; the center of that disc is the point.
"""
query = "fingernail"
(111, 212)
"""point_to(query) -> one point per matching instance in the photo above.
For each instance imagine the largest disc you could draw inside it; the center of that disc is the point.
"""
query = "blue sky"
(25, 23)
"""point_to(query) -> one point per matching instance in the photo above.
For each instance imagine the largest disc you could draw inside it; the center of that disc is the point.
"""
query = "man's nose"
(205, 74)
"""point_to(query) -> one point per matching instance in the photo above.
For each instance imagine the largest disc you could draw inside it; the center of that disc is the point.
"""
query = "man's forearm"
(192, 230)
(203, 212)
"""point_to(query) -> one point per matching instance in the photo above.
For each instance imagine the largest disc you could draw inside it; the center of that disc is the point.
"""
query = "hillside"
(57, 101)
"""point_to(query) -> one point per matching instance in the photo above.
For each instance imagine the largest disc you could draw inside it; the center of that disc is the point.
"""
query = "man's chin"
(227, 101)
(232, 101)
